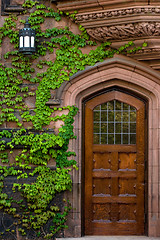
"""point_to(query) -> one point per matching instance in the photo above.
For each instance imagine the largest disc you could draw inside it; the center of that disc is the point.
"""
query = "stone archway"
(129, 74)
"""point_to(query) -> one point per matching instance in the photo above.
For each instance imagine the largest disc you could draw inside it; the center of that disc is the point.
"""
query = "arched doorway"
(138, 80)
(114, 165)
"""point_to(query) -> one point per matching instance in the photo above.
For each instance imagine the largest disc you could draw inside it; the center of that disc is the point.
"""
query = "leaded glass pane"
(132, 116)
(97, 116)
(118, 139)
(96, 138)
(133, 138)
(104, 106)
(125, 138)
(114, 123)
(104, 127)
(125, 106)
(96, 127)
(97, 108)
(103, 138)
(118, 127)
(132, 108)
(133, 127)
(111, 127)
(110, 105)
(110, 138)
(117, 116)
(125, 116)
(111, 116)
(125, 127)
(104, 116)
(118, 105)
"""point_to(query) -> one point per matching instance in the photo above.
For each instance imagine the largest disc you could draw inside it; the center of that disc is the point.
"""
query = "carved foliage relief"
(127, 23)
(125, 31)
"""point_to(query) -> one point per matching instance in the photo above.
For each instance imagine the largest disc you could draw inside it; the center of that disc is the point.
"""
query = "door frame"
(134, 78)
(131, 93)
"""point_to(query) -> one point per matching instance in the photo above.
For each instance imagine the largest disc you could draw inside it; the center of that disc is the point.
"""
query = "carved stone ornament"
(117, 13)
(125, 31)
(122, 24)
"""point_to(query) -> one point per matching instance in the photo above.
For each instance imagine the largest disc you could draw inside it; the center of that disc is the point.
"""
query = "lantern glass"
(32, 41)
(21, 42)
(26, 41)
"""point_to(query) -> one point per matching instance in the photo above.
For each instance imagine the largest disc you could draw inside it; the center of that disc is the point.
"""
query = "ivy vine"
(39, 145)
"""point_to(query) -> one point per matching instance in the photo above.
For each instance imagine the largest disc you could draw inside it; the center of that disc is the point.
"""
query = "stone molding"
(118, 61)
(11, 6)
(125, 31)
(117, 13)
(95, 5)
(146, 51)
(122, 24)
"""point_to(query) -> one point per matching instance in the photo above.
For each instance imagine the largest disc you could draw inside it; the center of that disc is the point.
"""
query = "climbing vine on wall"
(28, 148)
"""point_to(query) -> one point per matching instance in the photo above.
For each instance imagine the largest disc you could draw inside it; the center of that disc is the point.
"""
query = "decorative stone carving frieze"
(147, 53)
(122, 24)
(125, 31)
(117, 13)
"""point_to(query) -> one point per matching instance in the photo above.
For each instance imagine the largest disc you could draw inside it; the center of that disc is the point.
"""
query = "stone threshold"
(111, 238)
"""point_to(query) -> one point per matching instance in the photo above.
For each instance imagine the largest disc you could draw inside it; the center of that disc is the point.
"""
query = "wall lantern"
(27, 40)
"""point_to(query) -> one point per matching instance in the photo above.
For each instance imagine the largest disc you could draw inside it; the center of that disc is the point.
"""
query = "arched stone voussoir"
(117, 68)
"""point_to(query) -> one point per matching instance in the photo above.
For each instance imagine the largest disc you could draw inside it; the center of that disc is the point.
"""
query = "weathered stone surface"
(117, 21)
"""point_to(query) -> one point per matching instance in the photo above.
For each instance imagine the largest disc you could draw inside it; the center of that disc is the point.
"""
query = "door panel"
(114, 173)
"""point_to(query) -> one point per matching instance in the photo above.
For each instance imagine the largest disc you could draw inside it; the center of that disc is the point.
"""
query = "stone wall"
(130, 73)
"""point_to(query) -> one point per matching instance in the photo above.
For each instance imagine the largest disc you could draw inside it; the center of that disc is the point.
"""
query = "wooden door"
(114, 165)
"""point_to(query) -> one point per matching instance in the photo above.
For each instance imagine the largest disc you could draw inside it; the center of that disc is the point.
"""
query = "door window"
(114, 123)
